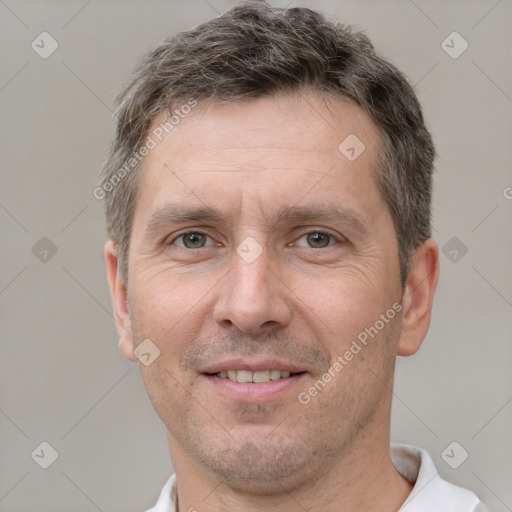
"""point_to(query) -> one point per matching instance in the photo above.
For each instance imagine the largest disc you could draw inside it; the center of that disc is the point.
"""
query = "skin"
(303, 304)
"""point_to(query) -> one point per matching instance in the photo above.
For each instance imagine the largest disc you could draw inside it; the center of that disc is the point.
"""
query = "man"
(268, 205)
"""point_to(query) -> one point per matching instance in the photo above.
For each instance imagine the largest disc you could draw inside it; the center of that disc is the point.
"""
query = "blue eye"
(192, 240)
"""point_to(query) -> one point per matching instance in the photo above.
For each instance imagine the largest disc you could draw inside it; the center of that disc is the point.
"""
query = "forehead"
(275, 147)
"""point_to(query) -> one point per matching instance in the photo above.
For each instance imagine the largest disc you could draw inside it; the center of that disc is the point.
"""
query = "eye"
(316, 240)
(192, 240)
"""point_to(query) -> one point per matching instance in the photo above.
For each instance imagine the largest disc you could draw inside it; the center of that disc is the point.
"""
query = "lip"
(255, 365)
(254, 391)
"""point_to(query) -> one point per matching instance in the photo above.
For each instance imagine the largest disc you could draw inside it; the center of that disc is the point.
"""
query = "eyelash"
(184, 234)
(333, 238)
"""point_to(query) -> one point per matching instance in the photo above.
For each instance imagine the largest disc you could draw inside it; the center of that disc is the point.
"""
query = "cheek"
(341, 306)
(170, 316)
(166, 308)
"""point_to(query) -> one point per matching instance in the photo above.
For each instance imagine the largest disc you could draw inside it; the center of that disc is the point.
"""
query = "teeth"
(247, 376)
(261, 376)
(242, 376)
(275, 374)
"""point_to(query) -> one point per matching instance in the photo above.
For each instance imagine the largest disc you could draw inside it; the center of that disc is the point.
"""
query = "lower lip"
(254, 391)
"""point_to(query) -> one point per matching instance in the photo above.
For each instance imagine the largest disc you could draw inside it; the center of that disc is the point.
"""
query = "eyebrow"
(335, 213)
(172, 213)
(175, 214)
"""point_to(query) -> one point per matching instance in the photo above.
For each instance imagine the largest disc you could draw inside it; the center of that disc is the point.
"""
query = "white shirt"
(430, 492)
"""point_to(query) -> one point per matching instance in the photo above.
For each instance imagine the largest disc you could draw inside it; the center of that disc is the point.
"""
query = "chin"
(269, 476)
(262, 466)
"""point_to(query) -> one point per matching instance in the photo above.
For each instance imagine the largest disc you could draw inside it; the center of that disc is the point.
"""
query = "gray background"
(62, 378)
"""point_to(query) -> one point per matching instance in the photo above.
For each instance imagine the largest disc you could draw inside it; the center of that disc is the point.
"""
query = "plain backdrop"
(62, 378)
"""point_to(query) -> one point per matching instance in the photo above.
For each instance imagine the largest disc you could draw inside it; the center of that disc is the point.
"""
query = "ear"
(120, 302)
(418, 297)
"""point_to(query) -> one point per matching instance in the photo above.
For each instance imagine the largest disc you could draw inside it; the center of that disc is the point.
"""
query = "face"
(261, 256)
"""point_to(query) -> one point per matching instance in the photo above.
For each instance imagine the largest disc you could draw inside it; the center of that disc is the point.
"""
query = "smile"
(248, 376)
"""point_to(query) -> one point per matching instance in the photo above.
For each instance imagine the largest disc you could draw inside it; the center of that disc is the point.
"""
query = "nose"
(253, 297)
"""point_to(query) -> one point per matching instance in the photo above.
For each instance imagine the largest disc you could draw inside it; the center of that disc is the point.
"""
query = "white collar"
(430, 491)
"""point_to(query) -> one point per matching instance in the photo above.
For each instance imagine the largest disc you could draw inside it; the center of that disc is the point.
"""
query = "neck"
(362, 478)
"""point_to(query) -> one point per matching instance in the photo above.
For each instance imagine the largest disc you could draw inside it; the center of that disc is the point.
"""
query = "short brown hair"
(256, 50)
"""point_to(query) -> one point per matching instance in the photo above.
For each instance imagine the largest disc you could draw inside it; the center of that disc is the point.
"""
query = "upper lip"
(252, 365)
